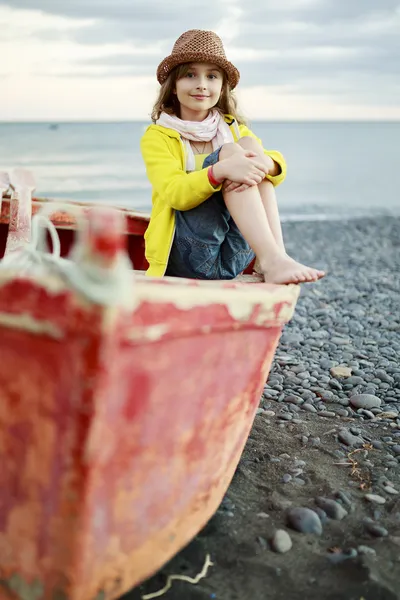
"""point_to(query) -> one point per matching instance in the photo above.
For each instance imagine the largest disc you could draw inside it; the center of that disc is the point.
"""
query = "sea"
(336, 170)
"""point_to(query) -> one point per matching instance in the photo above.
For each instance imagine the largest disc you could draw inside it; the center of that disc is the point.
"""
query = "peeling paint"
(240, 301)
(26, 322)
(152, 333)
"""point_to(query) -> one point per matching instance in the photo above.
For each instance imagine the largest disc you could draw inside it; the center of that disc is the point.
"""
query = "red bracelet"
(211, 177)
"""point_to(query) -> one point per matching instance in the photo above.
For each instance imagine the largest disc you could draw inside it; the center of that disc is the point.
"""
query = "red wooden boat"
(125, 403)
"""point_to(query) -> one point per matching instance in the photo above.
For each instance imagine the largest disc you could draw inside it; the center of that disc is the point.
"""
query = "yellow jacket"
(173, 189)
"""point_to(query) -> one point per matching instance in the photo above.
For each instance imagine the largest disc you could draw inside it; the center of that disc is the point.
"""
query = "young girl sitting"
(214, 204)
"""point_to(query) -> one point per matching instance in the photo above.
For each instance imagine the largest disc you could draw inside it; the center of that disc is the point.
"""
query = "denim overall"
(207, 242)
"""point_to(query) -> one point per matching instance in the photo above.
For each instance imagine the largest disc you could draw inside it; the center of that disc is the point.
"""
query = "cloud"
(344, 52)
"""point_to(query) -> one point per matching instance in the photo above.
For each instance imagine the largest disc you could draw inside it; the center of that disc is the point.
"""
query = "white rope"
(100, 285)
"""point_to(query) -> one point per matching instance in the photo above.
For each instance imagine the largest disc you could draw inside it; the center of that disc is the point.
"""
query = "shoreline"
(323, 439)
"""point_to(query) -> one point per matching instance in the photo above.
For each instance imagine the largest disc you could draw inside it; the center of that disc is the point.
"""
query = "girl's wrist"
(213, 178)
(218, 171)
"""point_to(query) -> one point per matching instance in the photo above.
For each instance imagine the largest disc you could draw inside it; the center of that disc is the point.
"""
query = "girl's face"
(199, 90)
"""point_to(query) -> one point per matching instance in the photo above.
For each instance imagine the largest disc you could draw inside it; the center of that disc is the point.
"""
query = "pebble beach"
(313, 510)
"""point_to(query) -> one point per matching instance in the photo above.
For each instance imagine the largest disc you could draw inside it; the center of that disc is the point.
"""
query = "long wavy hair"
(168, 102)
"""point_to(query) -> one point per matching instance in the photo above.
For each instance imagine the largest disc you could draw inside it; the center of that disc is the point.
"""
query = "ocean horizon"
(336, 169)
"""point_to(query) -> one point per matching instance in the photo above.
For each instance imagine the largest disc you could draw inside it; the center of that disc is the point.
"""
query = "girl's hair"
(168, 102)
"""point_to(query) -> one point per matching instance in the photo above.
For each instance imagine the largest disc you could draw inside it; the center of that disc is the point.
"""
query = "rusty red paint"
(121, 428)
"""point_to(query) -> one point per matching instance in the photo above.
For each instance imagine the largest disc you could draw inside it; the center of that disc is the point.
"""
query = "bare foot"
(284, 269)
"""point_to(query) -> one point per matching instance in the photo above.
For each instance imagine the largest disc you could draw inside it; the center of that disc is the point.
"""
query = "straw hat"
(197, 45)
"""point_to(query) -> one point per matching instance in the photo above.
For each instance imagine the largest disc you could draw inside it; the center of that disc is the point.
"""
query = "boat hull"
(121, 429)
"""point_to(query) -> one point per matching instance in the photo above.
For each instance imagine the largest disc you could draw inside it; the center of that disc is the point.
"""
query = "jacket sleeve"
(178, 189)
(274, 154)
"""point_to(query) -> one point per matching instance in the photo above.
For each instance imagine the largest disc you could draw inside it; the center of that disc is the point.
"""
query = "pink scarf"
(213, 129)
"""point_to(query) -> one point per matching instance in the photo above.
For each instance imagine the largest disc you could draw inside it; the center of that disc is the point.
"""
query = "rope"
(98, 284)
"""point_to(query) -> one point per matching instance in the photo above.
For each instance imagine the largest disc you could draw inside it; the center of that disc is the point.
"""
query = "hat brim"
(170, 62)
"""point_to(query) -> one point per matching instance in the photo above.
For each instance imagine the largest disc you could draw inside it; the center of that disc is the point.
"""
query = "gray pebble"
(322, 514)
(376, 530)
(375, 499)
(377, 444)
(334, 383)
(347, 438)
(285, 417)
(342, 556)
(281, 541)
(327, 413)
(286, 478)
(345, 498)
(367, 401)
(368, 413)
(294, 400)
(333, 509)
(366, 550)
(309, 408)
(304, 520)
(396, 448)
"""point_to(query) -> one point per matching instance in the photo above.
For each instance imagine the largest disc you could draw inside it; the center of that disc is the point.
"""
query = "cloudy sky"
(299, 59)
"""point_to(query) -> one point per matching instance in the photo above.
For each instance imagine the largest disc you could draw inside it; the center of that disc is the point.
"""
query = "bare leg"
(268, 198)
(255, 212)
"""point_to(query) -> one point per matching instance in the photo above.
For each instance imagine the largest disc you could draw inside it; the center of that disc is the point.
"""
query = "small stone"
(285, 417)
(355, 380)
(328, 396)
(296, 471)
(309, 408)
(334, 383)
(377, 444)
(375, 498)
(269, 413)
(342, 556)
(366, 550)
(322, 514)
(396, 448)
(327, 413)
(286, 478)
(270, 393)
(347, 438)
(367, 401)
(368, 413)
(376, 530)
(281, 541)
(333, 509)
(340, 372)
(294, 400)
(305, 520)
(390, 490)
(345, 498)
(263, 515)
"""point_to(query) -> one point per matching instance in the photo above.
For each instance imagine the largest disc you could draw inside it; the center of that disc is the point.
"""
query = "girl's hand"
(232, 186)
(241, 168)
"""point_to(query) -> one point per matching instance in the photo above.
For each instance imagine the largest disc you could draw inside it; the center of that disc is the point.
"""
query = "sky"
(69, 60)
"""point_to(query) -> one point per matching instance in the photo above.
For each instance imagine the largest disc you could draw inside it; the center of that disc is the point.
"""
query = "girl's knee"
(249, 143)
(229, 149)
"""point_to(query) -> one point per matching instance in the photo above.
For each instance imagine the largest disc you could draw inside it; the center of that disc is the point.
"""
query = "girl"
(214, 205)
